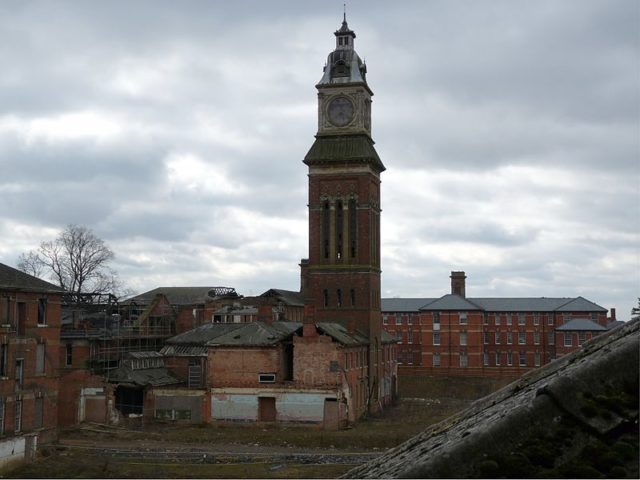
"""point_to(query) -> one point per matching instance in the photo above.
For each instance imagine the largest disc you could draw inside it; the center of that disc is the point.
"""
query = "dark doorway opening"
(129, 400)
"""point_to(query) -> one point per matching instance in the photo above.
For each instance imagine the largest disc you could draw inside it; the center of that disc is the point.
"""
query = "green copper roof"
(341, 149)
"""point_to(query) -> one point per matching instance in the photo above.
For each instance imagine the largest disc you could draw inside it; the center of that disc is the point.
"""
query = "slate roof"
(256, 334)
(202, 334)
(341, 335)
(581, 324)
(288, 297)
(505, 304)
(343, 149)
(14, 279)
(568, 419)
(404, 304)
(451, 302)
(177, 295)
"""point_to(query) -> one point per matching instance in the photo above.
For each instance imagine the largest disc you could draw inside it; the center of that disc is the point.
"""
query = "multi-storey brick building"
(455, 335)
(29, 343)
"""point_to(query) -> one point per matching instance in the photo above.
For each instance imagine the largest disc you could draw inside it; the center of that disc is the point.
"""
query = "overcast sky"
(176, 131)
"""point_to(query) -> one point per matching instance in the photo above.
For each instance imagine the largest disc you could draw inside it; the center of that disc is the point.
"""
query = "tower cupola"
(343, 64)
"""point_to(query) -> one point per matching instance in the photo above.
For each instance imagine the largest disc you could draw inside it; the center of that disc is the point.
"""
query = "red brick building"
(455, 335)
(29, 344)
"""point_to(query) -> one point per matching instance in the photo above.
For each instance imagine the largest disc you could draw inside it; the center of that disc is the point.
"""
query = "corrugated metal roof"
(184, 351)
(144, 355)
(404, 304)
(154, 377)
(581, 324)
(15, 279)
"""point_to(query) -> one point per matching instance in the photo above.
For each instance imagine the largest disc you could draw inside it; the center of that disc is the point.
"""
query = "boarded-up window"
(38, 413)
(195, 374)
(40, 350)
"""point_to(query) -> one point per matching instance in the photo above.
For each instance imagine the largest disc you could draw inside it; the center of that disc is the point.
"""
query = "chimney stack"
(308, 323)
(265, 314)
(613, 315)
(458, 284)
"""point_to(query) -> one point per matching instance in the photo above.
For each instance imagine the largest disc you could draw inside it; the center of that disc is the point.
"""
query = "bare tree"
(77, 260)
(31, 263)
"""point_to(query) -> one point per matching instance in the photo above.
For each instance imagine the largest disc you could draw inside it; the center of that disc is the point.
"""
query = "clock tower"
(341, 278)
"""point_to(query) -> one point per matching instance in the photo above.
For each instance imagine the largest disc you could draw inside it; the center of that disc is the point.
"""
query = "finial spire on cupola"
(345, 36)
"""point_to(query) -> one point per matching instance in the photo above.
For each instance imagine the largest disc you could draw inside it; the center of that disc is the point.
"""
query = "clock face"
(340, 111)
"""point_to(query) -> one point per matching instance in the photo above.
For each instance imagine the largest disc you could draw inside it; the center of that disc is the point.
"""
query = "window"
(463, 359)
(399, 336)
(523, 359)
(536, 319)
(485, 338)
(267, 377)
(38, 413)
(410, 336)
(463, 338)
(509, 319)
(485, 359)
(325, 297)
(536, 359)
(566, 317)
(594, 316)
(385, 319)
(400, 357)
(509, 338)
(436, 320)
(398, 319)
(4, 352)
(551, 338)
(410, 357)
(353, 230)
(325, 229)
(69, 354)
(17, 425)
(522, 338)
(550, 319)
(2, 408)
(436, 359)
(19, 372)
(436, 338)
(567, 339)
(497, 359)
(22, 317)
(339, 229)
(42, 311)
(521, 318)
(463, 318)
(409, 319)
(485, 319)
(497, 338)
(497, 318)
(536, 338)
(509, 358)
(352, 295)
(6, 310)
(40, 351)
(582, 337)
(339, 297)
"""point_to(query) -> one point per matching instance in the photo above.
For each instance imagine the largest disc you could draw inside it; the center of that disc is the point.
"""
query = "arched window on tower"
(339, 229)
(325, 297)
(353, 227)
(339, 295)
(352, 294)
(325, 229)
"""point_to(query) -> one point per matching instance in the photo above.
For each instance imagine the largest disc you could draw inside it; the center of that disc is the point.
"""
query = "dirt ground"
(158, 450)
